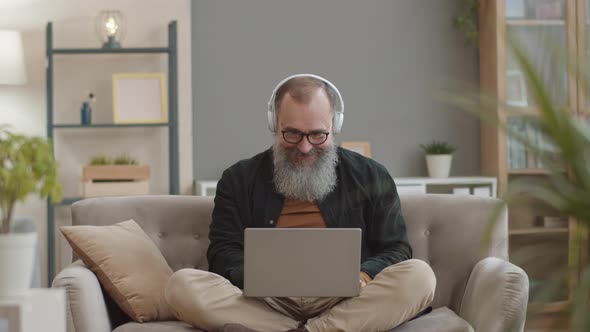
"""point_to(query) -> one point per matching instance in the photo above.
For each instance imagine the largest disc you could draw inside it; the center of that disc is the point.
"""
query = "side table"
(41, 309)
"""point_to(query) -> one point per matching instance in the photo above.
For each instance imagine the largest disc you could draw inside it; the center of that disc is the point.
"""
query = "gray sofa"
(476, 289)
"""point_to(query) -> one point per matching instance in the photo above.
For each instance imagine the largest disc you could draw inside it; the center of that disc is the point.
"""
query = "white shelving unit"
(474, 185)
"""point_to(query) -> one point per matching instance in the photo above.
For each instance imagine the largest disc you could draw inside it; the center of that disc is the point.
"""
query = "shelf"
(549, 307)
(534, 22)
(133, 50)
(69, 201)
(517, 112)
(539, 231)
(157, 53)
(528, 171)
(453, 180)
(112, 125)
(528, 112)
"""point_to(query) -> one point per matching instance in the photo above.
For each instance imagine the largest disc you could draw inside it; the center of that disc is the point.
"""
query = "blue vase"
(86, 114)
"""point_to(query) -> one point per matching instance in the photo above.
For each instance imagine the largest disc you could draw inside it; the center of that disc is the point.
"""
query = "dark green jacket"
(365, 197)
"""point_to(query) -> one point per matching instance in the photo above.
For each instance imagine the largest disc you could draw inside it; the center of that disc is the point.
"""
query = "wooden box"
(110, 188)
(115, 180)
(116, 172)
(552, 222)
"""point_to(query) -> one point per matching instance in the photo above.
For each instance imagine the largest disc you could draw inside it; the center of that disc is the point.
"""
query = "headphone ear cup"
(271, 120)
(338, 120)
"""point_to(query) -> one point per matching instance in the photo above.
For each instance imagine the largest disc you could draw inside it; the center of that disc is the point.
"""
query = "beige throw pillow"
(128, 265)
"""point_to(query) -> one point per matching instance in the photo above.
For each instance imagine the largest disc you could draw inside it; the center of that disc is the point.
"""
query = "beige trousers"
(209, 301)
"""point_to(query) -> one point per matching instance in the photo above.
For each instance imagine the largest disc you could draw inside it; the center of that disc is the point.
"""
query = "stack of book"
(521, 130)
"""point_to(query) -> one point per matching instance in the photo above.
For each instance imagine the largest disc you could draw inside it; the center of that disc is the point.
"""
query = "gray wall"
(388, 58)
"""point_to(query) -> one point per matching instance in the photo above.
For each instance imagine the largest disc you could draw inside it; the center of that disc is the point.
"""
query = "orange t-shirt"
(298, 214)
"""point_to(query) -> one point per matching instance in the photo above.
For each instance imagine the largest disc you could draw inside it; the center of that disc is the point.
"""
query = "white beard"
(305, 182)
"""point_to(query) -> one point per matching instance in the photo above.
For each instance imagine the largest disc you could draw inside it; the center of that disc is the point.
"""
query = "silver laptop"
(317, 262)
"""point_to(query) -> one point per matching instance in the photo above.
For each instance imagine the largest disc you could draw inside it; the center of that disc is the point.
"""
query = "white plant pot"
(439, 165)
(17, 254)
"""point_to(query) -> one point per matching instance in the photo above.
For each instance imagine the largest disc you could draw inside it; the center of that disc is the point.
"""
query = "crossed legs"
(209, 301)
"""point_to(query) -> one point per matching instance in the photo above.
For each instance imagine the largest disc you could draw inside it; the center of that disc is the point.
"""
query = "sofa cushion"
(128, 265)
(169, 326)
(441, 320)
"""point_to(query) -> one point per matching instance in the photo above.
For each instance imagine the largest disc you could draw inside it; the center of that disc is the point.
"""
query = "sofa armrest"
(496, 296)
(86, 310)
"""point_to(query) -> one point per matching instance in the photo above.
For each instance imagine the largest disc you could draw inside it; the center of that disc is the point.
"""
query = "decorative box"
(115, 180)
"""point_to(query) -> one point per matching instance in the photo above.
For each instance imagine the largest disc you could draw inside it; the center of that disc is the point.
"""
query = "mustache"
(294, 151)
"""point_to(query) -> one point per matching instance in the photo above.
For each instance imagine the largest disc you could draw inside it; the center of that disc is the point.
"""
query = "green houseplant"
(438, 147)
(439, 156)
(125, 159)
(27, 166)
(467, 23)
(100, 160)
(119, 175)
(567, 188)
(122, 159)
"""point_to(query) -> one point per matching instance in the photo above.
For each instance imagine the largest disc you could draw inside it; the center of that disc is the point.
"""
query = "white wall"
(24, 107)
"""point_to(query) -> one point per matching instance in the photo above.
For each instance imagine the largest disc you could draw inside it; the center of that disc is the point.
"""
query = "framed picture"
(139, 98)
(515, 89)
(363, 148)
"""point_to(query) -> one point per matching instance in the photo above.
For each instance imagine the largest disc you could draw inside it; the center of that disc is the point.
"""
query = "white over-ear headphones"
(338, 104)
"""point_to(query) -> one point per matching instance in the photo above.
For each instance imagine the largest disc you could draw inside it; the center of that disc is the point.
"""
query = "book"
(461, 191)
(482, 191)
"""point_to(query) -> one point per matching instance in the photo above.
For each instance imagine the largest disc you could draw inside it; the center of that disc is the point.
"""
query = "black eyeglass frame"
(301, 135)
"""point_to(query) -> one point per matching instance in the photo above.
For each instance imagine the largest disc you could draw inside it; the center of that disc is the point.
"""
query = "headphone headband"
(338, 103)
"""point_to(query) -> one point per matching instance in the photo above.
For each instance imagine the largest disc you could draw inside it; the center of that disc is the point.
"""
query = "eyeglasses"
(294, 137)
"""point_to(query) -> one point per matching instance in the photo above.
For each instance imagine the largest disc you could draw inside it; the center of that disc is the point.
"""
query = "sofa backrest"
(446, 231)
(178, 225)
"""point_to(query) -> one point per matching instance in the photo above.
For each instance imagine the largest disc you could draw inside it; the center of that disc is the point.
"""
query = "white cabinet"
(475, 185)
(472, 185)
(37, 310)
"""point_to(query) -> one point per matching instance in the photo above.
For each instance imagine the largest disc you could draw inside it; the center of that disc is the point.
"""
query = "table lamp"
(110, 27)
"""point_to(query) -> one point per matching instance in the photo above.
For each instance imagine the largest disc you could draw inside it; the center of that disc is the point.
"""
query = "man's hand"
(364, 279)
(363, 283)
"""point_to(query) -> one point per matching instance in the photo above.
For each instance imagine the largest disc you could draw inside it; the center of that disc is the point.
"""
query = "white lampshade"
(12, 58)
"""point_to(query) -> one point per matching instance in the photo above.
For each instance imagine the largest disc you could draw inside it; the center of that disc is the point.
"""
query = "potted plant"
(438, 158)
(566, 193)
(467, 21)
(121, 168)
(122, 175)
(27, 166)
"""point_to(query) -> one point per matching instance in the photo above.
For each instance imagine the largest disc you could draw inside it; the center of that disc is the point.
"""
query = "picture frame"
(139, 98)
(360, 147)
(516, 94)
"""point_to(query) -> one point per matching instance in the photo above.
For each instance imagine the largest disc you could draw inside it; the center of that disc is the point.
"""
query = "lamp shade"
(12, 58)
